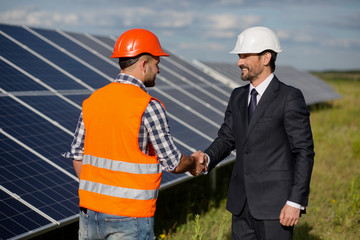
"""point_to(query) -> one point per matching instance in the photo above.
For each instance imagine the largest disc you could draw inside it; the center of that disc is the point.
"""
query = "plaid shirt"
(154, 129)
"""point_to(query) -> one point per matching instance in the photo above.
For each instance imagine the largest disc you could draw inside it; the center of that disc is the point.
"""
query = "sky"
(315, 35)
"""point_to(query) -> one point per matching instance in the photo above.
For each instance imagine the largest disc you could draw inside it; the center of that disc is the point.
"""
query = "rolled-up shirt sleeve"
(156, 124)
(77, 146)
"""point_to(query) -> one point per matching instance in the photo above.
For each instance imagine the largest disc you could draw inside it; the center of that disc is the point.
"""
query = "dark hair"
(272, 60)
(125, 62)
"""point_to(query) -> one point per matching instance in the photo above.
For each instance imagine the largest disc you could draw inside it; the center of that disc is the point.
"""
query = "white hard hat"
(256, 40)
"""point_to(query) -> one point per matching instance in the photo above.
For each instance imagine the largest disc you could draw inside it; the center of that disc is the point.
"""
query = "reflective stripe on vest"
(139, 168)
(118, 191)
(116, 177)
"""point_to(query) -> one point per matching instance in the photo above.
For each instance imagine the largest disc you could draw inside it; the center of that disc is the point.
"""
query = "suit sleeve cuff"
(295, 205)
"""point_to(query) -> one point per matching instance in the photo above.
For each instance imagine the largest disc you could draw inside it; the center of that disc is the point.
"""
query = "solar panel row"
(44, 77)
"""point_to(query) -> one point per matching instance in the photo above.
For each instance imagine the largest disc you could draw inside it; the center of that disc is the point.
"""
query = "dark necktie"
(252, 104)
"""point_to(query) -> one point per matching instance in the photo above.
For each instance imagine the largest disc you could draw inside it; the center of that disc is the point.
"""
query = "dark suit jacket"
(274, 152)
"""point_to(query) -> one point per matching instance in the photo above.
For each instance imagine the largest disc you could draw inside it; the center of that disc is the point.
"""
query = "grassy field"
(192, 211)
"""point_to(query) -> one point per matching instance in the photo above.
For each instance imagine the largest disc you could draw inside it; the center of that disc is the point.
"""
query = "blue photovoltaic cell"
(13, 80)
(211, 112)
(36, 67)
(16, 218)
(170, 178)
(34, 131)
(28, 176)
(314, 89)
(189, 118)
(92, 78)
(208, 98)
(106, 50)
(107, 40)
(55, 108)
(36, 182)
(192, 72)
(78, 99)
(57, 57)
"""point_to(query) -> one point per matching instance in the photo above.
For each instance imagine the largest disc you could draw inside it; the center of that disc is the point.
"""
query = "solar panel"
(44, 77)
(314, 89)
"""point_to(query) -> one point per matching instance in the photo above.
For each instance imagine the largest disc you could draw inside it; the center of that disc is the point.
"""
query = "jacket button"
(246, 152)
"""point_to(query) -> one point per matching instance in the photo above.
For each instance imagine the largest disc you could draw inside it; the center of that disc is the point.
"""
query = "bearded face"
(251, 66)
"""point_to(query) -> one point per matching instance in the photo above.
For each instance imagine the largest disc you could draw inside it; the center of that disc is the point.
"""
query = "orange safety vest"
(116, 177)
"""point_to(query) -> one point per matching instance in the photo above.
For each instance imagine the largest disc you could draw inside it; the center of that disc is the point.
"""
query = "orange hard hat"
(136, 41)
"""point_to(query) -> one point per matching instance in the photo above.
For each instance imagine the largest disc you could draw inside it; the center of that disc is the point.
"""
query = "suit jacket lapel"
(268, 96)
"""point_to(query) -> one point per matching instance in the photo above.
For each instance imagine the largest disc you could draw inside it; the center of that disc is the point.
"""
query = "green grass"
(191, 211)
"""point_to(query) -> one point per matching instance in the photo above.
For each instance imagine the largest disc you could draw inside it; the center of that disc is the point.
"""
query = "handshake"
(200, 163)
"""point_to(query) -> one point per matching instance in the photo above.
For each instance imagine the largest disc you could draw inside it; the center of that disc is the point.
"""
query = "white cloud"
(136, 16)
(342, 43)
(35, 17)
(221, 26)
(232, 21)
(223, 21)
(101, 17)
(213, 33)
(303, 37)
(203, 46)
(173, 19)
(299, 36)
(283, 34)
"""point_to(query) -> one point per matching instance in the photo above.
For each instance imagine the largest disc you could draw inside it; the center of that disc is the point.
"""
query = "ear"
(143, 64)
(266, 58)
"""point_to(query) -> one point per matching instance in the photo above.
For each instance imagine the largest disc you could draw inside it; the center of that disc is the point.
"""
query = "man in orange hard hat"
(122, 144)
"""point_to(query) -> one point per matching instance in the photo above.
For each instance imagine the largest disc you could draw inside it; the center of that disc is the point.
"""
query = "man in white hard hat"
(267, 122)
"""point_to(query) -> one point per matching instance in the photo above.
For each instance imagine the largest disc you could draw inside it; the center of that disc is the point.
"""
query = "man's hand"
(289, 216)
(201, 163)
